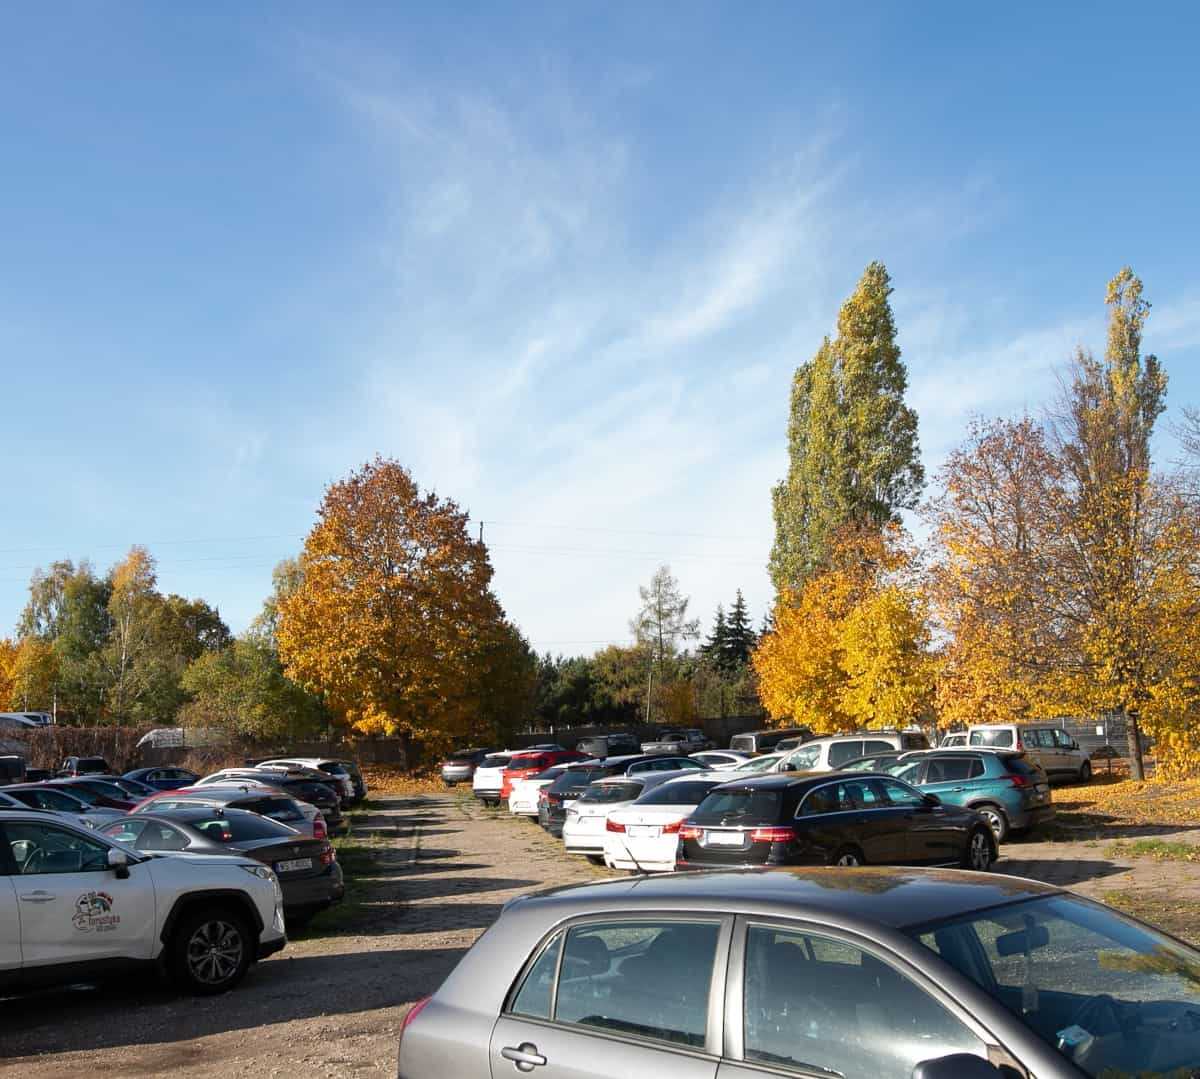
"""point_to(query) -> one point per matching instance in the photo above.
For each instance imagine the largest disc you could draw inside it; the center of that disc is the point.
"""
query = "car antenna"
(633, 859)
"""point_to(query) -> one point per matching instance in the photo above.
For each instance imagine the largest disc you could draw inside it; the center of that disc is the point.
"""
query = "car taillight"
(611, 825)
(772, 835)
(673, 827)
(1019, 780)
(690, 831)
(543, 796)
(328, 855)
(319, 829)
(413, 1012)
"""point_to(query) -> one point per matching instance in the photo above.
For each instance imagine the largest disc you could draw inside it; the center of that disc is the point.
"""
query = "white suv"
(75, 904)
(830, 753)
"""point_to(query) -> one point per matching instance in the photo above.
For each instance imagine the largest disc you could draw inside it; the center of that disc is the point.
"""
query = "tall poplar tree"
(852, 441)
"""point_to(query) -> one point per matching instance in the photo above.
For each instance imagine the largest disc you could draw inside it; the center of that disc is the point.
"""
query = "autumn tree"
(661, 625)
(34, 675)
(853, 455)
(851, 648)
(8, 659)
(393, 619)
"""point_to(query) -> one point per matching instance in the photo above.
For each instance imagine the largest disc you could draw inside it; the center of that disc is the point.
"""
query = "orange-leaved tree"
(8, 662)
(393, 620)
(850, 649)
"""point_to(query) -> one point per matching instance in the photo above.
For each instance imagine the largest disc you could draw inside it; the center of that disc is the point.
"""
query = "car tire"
(997, 820)
(980, 851)
(1085, 772)
(849, 857)
(210, 950)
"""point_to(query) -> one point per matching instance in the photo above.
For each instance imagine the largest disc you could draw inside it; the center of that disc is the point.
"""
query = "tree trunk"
(1133, 735)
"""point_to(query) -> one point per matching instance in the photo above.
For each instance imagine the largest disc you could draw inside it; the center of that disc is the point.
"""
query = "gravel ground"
(328, 1005)
(331, 1004)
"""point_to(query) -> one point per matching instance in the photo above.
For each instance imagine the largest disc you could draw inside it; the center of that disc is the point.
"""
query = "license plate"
(723, 839)
(643, 831)
(293, 865)
(570, 803)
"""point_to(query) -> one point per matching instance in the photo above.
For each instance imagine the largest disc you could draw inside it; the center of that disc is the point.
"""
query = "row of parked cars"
(197, 876)
(790, 957)
(879, 797)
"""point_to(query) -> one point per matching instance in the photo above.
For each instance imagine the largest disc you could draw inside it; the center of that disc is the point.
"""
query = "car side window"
(1062, 739)
(126, 831)
(841, 752)
(162, 837)
(900, 794)
(43, 848)
(813, 1002)
(535, 997)
(874, 745)
(949, 769)
(650, 979)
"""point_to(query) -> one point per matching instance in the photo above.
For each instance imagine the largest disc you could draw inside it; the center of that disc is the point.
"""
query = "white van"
(1045, 744)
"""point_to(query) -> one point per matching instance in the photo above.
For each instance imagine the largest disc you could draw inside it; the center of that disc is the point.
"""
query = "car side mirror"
(957, 1066)
(118, 862)
(787, 766)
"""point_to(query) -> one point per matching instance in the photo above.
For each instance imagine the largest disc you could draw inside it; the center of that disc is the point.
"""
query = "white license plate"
(569, 803)
(643, 831)
(293, 865)
(723, 839)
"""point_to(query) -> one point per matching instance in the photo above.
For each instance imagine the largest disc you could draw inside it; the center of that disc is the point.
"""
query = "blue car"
(163, 778)
(1012, 792)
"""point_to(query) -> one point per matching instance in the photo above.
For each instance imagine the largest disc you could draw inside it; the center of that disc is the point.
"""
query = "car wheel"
(848, 857)
(996, 819)
(1085, 772)
(210, 951)
(980, 851)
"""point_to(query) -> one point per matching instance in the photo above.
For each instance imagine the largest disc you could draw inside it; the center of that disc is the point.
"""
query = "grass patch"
(1180, 918)
(358, 855)
(1115, 802)
(1160, 849)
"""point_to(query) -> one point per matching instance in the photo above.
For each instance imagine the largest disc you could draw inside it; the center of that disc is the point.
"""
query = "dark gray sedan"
(865, 974)
(308, 872)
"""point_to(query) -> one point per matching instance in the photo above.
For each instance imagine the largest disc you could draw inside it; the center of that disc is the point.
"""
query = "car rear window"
(238, 829)
(498, 760)
(1020, 767)
(92, 764)
(739, 806)
(689, 793)
(991, 738)
(742, 741)
(574, 778)
(537, 761)
(460, 755)
(604, 793)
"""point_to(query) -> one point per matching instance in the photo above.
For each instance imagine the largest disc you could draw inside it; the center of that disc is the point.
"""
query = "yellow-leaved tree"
(8, 660)
(851, 648)
(392, 619)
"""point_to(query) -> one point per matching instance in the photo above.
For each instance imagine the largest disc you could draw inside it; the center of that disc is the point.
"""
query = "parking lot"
(331, 1003)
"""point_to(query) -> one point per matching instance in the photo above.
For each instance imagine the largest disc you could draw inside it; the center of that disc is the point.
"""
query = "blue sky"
(560, 260)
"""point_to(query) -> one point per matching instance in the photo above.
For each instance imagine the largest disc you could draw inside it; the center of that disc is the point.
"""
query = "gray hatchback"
(864, 974)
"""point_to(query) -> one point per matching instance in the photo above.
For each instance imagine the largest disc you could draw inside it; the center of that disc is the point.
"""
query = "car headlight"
(260, 871)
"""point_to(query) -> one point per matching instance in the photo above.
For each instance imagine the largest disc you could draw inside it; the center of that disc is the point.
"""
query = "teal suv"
(1012, 792)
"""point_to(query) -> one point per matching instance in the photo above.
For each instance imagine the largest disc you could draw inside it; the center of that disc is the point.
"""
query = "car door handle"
(957, 790)
(37, 897)
(525, 1056)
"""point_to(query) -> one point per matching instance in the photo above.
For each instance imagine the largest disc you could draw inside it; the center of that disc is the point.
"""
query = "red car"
(527, 764)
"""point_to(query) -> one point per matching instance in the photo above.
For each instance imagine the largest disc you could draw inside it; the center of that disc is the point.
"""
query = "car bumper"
(269, 947)
(1031, 818)
(452, 776)
(583, 842)
(312, 892)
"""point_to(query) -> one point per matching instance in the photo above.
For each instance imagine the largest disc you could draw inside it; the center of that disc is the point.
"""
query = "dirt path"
(331, 1005)
(327, 1006)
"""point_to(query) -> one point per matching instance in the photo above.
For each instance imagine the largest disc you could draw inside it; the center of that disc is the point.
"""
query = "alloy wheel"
(214, 951)
(980, 852)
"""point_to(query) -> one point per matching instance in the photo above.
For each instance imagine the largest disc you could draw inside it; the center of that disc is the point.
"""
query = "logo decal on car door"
(93, 910)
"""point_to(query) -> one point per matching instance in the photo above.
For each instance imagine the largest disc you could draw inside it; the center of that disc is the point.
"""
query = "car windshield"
(688, 792)
(1115, 998)
(604, 793)
(135, 787)
(1003, 738)
(869, 764)
(86, 795)
(739, 806)
(758, 764)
